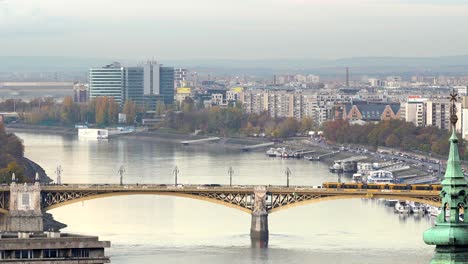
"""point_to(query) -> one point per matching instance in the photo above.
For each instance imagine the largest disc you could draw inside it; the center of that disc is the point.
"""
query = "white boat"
(358, 177)
(416, 208)
(93, 133)
(402, 207)
(279, 152)
(271, 152)
(380, 176)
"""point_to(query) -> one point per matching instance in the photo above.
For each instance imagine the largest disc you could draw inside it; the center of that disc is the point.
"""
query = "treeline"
(232, 121)
(11, 154)
(101, 111)
(392, 133)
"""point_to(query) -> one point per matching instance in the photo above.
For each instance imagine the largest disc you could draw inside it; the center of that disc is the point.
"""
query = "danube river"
(155, 229)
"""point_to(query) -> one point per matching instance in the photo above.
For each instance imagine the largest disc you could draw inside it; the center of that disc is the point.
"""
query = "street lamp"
(121, 173)
(176, 172)
(288, 173)
(230, 173)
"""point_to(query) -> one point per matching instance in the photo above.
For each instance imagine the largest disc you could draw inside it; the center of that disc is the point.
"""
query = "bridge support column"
(25, 214)
(259, 225)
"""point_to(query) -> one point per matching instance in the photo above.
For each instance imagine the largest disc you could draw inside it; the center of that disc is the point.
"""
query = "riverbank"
(158, 136)
(41, 129)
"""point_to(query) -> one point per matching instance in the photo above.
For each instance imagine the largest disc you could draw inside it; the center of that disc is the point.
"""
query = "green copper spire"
(450, 233)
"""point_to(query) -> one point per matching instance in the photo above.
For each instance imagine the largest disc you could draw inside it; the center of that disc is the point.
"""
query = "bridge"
(22, 205)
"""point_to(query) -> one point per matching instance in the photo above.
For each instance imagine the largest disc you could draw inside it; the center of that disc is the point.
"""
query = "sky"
(233, 29)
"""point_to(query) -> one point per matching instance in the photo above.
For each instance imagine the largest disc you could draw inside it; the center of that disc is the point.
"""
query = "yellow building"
(182, 93)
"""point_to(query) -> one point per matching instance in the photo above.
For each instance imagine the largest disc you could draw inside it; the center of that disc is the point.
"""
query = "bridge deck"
(240, 197)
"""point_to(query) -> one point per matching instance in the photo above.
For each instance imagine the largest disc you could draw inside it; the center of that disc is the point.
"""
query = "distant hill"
(358, 65)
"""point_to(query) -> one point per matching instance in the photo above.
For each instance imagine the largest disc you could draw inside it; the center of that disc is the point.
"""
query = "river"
(156, 229)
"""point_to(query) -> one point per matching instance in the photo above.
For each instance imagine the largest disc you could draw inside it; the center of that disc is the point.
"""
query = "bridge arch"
(342, 197)
(174, 194)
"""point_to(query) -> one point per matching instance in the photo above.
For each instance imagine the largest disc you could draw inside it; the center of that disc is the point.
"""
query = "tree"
(69, 111)
(160, 108)
(129, 110)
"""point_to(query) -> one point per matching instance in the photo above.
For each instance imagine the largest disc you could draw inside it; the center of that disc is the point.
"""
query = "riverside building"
(51, 247)
(145, 85)
(107, 81)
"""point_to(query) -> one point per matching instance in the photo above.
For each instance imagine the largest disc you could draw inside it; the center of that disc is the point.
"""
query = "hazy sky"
(244, 29)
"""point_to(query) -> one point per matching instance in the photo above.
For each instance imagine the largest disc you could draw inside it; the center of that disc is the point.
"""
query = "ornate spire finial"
(453, 107)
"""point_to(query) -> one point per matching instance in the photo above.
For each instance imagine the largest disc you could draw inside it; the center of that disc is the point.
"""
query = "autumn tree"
(130, 110)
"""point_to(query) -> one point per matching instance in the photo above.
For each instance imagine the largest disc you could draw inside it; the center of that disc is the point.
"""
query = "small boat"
(358, 177)
(402, 207)
(416, 208)
(336, 167)
(271, 152)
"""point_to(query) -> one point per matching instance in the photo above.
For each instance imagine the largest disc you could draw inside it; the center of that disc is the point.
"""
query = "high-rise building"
(134, 85)
(80, 93)
(107, 81)
(145, 85)
(438, 114)
(415, 110)
(166, 84)
(180, 77)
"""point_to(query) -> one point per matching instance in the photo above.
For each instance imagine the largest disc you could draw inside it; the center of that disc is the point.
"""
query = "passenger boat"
(380, 176)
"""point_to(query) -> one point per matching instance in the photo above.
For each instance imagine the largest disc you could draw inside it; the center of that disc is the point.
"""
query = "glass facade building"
(145, 85)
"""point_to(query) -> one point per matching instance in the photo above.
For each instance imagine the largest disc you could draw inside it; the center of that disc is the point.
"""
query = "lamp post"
(121, 173)
(288, 173)
(176, 172)
(230, 173)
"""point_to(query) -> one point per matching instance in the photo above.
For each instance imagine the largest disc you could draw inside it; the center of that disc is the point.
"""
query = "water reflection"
(450, 258)
(258, 243)
(156, 229)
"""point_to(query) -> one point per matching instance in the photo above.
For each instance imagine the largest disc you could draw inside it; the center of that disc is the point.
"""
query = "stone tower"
(25, 214)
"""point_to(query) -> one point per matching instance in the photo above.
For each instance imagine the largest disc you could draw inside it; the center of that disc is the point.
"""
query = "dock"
(199, 141)
(262, 145)
(319, 157)
(352, 159)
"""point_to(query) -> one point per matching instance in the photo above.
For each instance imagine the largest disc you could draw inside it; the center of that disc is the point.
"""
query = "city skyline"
(255, 29)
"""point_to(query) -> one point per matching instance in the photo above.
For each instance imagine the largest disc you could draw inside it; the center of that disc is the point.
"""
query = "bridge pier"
(25, 214)
(259, 224)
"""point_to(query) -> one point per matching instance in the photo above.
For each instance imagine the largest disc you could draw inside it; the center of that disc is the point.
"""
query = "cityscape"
(233, 132)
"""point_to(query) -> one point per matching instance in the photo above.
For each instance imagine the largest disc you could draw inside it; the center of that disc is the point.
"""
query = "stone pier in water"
(259, 225)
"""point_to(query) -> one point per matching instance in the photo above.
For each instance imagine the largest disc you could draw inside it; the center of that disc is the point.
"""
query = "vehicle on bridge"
(378, 186)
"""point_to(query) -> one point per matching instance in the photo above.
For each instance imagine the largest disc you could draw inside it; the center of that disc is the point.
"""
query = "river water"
(158, 229)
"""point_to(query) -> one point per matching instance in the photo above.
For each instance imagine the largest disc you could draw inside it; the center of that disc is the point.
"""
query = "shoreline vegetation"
(395, 134)
(12, 160)
(190, 120)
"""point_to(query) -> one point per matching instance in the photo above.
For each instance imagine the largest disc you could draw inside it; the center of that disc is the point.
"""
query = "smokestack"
(347, 77)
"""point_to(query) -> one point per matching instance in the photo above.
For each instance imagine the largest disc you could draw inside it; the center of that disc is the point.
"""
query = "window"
(51, 253)
(2, 254)
(23, 254)
(25, 199)
(80, 253)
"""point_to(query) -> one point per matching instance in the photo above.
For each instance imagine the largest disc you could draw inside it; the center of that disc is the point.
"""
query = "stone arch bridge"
(22, 205)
